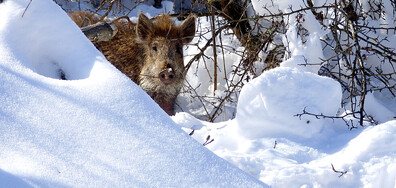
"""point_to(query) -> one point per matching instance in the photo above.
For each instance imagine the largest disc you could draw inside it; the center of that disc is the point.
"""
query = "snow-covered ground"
(98, 129)
(269, 142)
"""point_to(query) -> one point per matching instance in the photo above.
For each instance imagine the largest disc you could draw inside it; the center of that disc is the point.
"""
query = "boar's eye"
(154, 48)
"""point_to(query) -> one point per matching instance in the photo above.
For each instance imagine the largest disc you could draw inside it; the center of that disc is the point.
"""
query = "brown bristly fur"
(142, 50)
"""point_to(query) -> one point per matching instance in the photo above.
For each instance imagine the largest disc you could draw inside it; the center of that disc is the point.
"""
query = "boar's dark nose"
(167, 76)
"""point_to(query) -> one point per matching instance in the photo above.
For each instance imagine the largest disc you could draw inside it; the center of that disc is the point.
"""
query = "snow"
(99, 129)
(267, 139)
(284, 160)
(271, 101)
(96, 129)
(200, 74)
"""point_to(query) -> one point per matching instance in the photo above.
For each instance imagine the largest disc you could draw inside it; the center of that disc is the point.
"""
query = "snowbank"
(272, 101)
(98, 129)
(95, 129)
(281, 150)
(268, 141)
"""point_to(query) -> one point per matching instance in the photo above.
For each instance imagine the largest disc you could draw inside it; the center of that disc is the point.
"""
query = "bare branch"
(337, 171)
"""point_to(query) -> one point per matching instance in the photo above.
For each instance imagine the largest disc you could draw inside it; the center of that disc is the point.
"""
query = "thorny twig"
(344, 117)
(26, 8)
(351, 38)
(208, 140)
(337, 171)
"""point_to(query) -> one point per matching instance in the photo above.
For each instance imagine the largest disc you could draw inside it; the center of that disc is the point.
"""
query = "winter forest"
(273, 93)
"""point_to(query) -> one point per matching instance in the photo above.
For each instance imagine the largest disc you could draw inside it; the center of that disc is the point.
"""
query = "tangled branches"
(363, 59)
(358, 47)
(357, 38)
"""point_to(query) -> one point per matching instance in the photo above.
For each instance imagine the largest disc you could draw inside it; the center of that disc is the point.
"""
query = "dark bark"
(101, 31)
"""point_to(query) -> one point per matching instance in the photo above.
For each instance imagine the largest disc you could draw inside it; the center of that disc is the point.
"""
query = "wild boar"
(150, 52)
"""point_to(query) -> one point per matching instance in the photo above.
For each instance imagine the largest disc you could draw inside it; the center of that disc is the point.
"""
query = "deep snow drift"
(268, 141)
(99, 129)
(96, 129)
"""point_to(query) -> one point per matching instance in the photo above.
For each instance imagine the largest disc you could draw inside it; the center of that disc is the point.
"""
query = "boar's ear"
(187, 29)
(144, 27)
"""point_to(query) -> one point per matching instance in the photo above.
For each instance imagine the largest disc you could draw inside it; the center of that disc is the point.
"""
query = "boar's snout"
(167, 76)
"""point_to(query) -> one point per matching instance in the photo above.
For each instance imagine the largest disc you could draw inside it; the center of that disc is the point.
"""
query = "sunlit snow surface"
(268, 140)
(98, 129)
(95, 129)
